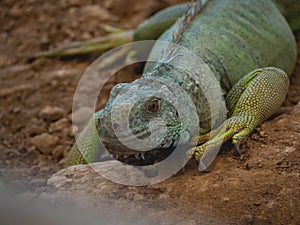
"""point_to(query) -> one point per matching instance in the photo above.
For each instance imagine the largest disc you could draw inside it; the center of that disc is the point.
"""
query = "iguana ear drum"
(153, 106)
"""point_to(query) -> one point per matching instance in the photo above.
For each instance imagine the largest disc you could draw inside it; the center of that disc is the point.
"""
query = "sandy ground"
(260, 187)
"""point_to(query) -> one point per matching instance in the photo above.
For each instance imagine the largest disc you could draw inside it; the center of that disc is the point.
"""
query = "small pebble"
(225, 199)
(58, 152)
(257, 203)
(51, 113)
(35, 129)
(97, 12)
(45, 142)
(134, 196)
(247, 219)
(59, 125)
(16, 11)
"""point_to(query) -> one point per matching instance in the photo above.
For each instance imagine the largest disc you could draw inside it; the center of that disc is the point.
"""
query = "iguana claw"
(237, 150)
(201, 166)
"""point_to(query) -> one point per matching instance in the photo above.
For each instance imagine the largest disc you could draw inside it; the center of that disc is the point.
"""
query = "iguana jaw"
(125, 154)
(122, 153)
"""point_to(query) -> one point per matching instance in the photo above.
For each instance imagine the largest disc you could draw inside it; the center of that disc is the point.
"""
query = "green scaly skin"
(232, 38)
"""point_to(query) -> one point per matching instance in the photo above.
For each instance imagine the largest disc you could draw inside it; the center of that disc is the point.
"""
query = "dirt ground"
(260, 187)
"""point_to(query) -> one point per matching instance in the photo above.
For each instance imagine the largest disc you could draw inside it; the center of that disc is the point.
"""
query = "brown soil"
(262, 186)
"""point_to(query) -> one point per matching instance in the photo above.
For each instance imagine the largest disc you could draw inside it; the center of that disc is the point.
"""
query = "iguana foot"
(252, 100)
(236, 128)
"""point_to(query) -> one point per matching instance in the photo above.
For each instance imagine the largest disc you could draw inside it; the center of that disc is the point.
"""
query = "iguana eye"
(153, 106)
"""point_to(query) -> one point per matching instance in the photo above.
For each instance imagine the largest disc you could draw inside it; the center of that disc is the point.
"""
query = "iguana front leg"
(252, 100)
(87, 148)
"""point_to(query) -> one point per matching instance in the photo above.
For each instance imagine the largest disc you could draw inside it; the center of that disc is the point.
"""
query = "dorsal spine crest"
(193, 9)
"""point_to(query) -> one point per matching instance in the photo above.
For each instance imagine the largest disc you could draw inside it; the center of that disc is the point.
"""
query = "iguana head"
(140, 120)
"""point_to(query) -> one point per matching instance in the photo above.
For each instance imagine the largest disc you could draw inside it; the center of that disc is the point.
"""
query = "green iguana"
(248, 45)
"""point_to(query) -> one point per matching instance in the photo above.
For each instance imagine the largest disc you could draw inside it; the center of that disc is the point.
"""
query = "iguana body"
(233, 38)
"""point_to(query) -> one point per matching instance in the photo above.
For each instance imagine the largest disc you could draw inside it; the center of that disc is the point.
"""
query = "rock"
(36, 126)
(62, 74)
(296, 112)
(247, 219)
(113, 170)
(86, 36)
(280, 161)
(20, 68)
(45, 43)
(98, 13)
(16, 11)
(16, 89)
(59, 125)
(16, 110)
(289, 149)
(271, 205)
(131, 195)
(257, 203)
(51, 113)
(80, 185)
(44, 142)
(58, 152)
(225, 199)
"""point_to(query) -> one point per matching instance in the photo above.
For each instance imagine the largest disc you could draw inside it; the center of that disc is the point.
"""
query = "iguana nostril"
(116, 126)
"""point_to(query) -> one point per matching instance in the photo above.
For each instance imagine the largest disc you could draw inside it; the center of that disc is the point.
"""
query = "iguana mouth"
(122, 153)
(134, 157)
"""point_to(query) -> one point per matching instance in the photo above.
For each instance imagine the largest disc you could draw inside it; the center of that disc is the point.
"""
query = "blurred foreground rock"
(83, 186)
